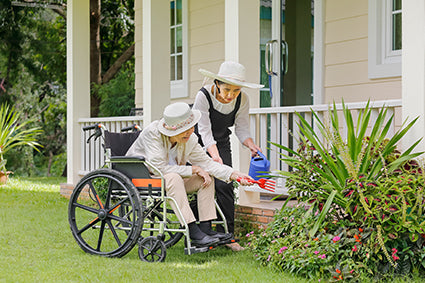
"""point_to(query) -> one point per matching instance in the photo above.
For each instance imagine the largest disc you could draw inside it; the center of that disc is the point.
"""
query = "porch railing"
(275, 124)
(279, 124)
(92, 153)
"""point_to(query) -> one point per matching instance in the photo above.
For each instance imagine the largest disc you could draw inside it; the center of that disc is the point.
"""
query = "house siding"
(206, 40)
(346, 56)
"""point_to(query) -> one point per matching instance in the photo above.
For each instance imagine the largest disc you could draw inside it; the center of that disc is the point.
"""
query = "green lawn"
(36, 245)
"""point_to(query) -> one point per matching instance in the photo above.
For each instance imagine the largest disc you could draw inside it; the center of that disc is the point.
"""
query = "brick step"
(258, 215)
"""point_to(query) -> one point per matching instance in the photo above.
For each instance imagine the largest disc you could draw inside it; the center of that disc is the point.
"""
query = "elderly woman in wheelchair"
(171, 146)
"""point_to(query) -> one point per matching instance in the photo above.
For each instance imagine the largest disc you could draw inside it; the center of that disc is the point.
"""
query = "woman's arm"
(242, 129)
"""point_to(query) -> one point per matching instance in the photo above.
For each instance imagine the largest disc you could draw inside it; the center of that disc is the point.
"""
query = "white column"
(156, 58)
(78, 81)
(242, 44)
(138, 53)
(319, 52)
(413, 70)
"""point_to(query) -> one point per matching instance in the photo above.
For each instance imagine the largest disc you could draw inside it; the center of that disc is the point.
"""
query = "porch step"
(258, 215)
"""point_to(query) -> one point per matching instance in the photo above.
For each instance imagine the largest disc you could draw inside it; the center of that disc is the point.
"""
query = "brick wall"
(253, 217)
(66, 190)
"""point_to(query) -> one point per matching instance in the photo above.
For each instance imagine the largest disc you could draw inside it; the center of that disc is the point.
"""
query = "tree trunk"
(49, 164)
(113, 70)
(95, 57)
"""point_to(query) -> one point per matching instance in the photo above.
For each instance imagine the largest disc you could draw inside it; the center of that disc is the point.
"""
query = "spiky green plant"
(339, 159)
(14, 132)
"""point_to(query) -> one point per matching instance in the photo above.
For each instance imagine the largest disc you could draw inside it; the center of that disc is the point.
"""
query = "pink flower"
(316, 252)
(268, 259)
(282, 249)
(323, 256)
(336, 239)
(354, 248)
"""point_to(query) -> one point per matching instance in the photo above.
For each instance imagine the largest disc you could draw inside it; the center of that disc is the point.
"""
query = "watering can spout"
(258, 166)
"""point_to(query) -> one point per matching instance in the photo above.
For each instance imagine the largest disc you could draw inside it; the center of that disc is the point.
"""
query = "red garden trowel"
(266, 184)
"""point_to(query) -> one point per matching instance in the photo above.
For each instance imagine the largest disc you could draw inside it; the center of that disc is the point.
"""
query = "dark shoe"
(221, 236)
(205, 241)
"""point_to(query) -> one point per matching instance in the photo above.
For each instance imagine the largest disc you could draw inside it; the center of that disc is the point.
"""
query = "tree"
(111, 42)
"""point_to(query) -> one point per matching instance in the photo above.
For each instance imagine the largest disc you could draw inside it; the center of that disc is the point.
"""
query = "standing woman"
(223, 104)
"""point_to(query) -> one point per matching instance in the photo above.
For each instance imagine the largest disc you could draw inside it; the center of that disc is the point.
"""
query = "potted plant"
(13, 133)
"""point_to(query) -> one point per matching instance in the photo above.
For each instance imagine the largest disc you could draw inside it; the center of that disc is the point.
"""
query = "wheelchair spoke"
(108, 196)
(85, 207)
(99, 241)
(121, 220)
(91, 224)
(111, 227)
(93, 190)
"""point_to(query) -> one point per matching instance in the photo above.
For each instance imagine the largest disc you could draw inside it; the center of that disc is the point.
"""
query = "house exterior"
(316, 52)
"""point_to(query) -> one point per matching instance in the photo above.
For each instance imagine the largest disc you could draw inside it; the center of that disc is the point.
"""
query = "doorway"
(286, 46)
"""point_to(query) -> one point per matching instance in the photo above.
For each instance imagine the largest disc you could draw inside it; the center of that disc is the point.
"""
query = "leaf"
(323, 213)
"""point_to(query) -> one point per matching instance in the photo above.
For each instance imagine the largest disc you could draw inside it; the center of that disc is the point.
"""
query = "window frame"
(383, 62)
(179, 88)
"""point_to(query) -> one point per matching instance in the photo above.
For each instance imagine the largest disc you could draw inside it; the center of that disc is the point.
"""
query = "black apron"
(220, 123)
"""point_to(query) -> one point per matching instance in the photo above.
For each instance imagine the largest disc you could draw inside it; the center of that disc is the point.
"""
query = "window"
(385, 38)
(178, 48)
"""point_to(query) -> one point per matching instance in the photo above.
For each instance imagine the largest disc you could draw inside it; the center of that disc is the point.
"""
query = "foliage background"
(33, 74)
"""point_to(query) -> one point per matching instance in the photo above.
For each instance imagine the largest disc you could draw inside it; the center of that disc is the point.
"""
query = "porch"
(274, 124)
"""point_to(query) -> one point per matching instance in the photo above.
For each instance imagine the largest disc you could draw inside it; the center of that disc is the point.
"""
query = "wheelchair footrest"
(195, 250)
(227, 241)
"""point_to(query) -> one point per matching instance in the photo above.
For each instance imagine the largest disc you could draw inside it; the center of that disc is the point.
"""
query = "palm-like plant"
(13, 133)
(342, 159)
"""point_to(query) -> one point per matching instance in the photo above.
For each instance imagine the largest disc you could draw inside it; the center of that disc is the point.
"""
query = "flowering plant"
(361, 203)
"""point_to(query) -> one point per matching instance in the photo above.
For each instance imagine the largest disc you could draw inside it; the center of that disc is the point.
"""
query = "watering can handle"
(261, 155)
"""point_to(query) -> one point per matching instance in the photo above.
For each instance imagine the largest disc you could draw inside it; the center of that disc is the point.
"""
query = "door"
(286, 32)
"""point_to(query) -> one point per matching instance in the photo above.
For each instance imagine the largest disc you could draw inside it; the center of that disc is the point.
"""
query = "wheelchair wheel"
(152, 249)
(94, 213)
(171, 222)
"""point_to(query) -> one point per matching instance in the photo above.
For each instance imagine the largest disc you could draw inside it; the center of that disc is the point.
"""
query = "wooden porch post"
(242, 44)
(413, 69)
(78, 81)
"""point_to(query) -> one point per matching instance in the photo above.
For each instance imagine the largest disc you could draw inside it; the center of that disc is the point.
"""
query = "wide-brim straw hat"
(231, 73)
(178, 118)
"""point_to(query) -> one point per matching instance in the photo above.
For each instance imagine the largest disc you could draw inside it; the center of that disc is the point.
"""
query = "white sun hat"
(231, 73)
(178, 118)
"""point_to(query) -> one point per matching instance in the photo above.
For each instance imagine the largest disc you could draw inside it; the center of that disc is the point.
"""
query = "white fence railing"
(92, 153)
(279, 124)
(275, 124)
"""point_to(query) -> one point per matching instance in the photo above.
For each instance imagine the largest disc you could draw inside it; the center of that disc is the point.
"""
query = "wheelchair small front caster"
(152, 249)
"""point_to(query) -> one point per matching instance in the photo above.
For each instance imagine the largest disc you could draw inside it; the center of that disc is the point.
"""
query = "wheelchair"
(115, 207)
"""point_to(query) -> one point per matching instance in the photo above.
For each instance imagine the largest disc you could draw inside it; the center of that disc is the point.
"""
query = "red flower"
(354, 248)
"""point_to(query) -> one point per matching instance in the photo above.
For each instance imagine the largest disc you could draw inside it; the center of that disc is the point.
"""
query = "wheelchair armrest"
(127, 158)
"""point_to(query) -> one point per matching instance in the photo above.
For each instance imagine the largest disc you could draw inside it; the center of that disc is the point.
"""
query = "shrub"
(361, 203)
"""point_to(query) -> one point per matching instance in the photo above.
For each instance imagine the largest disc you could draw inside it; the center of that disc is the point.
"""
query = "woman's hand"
(249, 143)
(203, 174)
(213, 151)
(243, 178)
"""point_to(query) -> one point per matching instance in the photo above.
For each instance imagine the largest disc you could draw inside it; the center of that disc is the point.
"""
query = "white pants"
(178, 188)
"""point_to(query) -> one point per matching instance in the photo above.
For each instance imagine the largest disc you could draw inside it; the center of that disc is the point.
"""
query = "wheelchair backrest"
(119, 143)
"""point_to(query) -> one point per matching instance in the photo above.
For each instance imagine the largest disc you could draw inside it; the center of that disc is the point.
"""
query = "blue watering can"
(259, 165)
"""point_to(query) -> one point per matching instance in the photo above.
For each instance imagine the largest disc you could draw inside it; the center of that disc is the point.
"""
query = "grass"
(36, 245)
